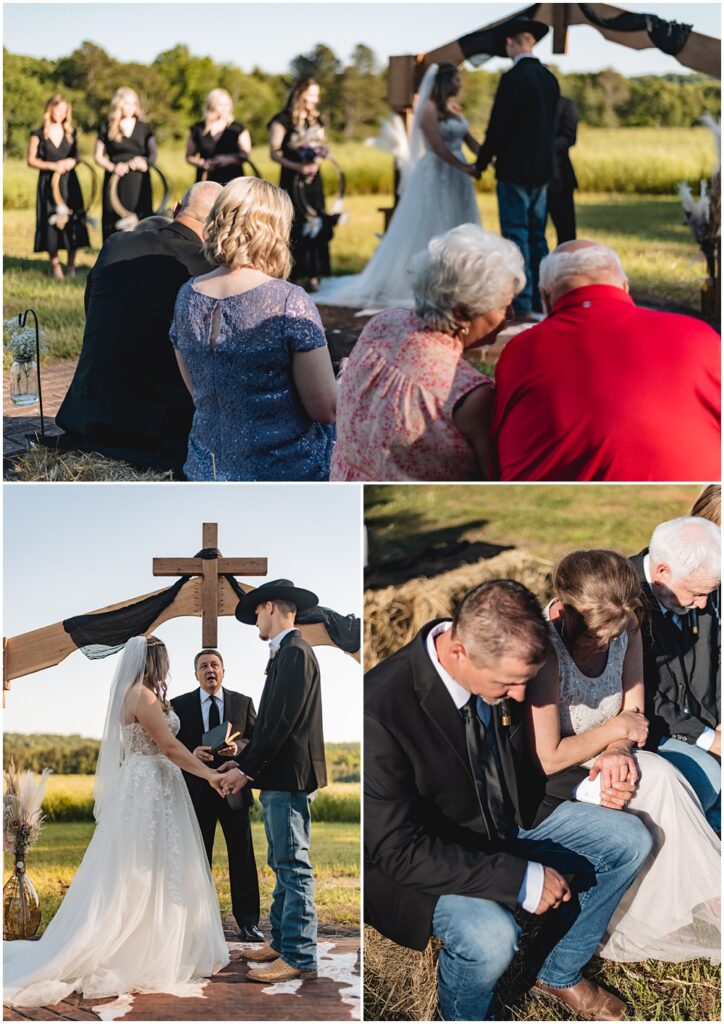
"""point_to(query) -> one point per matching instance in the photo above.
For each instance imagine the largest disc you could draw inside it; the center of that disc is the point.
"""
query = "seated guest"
(127, 399)
(708, 504)
(252, 349)
(603, 390)
(411, 407)
(680, 572)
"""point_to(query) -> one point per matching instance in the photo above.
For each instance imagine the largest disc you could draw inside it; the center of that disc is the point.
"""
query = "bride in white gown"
(141, 914)
(588, 699)
(437, 194)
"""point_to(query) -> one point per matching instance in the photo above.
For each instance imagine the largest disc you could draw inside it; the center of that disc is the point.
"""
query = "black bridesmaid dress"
(134, 188)
(224, 144)
(310, 254)
(74, 235)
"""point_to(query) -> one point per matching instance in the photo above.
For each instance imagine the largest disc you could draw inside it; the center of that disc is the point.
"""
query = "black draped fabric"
(103, 633)
(480, 46)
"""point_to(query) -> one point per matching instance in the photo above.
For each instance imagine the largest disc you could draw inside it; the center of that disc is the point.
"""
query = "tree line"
(76, 755)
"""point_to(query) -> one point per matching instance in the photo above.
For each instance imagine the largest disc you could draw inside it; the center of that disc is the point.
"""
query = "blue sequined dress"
(248, 413)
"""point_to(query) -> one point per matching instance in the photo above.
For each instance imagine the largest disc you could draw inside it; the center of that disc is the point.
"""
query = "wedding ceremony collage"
(361, 511)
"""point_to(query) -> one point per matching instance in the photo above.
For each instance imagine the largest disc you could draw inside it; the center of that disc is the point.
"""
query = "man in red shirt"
(603, 390)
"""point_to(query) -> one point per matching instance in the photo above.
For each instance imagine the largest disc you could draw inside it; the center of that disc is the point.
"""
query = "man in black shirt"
(127, 399)
(521, 139)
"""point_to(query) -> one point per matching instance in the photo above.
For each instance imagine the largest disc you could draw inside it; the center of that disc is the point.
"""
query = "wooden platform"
(334, 995)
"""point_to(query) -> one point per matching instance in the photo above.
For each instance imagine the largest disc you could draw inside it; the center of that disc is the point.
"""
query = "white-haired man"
(605, 390)
(680, 572)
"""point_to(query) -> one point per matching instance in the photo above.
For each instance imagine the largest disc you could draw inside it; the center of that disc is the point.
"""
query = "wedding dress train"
(141, 914)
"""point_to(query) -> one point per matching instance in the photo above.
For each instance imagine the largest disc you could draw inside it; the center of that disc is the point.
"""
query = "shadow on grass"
(654, 221)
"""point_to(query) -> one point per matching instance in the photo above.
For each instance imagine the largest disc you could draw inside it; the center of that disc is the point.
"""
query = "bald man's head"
(576, 264)
(196, 204)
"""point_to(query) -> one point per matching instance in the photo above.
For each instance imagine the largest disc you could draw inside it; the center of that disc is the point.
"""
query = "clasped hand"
(233, 780)
(619, 776)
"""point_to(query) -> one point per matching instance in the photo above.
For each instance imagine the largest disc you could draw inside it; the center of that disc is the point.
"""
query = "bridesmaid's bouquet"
(22, 816)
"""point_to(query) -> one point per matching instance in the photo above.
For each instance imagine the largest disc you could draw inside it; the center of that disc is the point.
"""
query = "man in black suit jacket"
(127, 399)
(199, 710)
(285, 759)
(561, 208)
(521, 139)
(680, 573)
(460, 827)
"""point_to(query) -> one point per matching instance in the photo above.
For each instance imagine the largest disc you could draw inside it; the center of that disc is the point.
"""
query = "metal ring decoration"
(64, 213)
(298, 184)
(127, 219)
(255, 172)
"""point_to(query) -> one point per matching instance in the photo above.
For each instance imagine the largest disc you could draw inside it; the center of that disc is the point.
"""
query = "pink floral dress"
(396, 402)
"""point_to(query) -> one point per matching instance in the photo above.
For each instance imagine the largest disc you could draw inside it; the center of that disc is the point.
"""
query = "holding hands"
(234, 780)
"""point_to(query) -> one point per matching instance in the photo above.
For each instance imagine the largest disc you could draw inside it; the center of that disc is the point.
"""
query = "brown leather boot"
(279, 970)
(261, 955)
(586, 999)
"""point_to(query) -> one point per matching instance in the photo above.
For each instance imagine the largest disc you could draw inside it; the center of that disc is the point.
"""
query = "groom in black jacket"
(521, 140)
(285, 759)
(461, 828)
(198, 711)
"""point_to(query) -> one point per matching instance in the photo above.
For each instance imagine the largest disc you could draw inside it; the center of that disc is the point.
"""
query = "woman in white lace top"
(141, 914)
(588, 699)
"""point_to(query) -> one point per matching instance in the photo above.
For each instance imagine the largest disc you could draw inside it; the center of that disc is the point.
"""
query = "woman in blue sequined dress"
(252, 349)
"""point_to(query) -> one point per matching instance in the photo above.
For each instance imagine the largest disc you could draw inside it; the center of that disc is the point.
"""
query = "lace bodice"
(585, 702)
(137, 741)
(453, 131)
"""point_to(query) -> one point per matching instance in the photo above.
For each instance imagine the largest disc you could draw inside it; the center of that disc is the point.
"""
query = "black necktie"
(214, 714)
(485, 773)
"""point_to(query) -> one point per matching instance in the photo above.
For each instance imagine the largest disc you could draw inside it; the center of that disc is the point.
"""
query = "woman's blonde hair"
(114, 117)
(54, 101)
(210, 107)
(708, 504)
(294, 102)
(155, 674)
(602, 589)
(249, 226)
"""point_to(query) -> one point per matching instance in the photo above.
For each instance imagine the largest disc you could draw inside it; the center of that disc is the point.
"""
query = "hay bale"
(393, 615)
(56, 464)
(400, 983)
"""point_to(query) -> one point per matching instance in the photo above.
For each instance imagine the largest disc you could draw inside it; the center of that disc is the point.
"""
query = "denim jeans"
(523, 211)
(603, 849)
(703, 772)
(292, 915)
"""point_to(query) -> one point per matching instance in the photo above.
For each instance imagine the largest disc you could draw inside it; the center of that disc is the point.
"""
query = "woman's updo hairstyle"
(602, 589)
(155, 674)
(249, 226)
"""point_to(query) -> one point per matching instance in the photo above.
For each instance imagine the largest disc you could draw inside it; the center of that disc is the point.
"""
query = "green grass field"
(335, 847)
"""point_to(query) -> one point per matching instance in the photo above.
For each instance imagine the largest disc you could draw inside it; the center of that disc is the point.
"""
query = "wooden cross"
(209, 569)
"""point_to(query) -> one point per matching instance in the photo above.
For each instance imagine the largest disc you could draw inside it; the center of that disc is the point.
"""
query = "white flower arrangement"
(21, 341)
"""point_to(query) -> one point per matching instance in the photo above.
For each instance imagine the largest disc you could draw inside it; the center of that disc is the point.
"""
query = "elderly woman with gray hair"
(410, 407)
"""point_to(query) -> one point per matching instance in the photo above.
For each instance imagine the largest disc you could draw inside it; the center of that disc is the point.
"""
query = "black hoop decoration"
(63, 212)
(255, 172)
(298, 184)
(127, 219)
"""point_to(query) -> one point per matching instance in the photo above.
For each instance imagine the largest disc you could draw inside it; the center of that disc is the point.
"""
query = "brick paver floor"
(21, 420)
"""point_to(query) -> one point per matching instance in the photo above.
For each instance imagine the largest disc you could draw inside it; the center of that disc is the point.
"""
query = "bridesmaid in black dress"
(218, 145)
(54, 147)
(296, 141)
(125, 147)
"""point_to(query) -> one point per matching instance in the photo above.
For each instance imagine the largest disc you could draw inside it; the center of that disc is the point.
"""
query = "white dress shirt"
(276, 640)
(707, 737)
(531, 890)
(206, 699)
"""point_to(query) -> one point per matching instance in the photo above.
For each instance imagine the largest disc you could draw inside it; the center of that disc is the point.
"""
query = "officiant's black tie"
(486, 773)
(214, 718)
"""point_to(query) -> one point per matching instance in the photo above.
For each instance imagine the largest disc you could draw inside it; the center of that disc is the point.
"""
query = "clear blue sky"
(269, 35)
(71, 549)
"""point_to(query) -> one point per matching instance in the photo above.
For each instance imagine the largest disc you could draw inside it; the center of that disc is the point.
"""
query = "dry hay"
(54, 464)
(394, 615)
(400, 983)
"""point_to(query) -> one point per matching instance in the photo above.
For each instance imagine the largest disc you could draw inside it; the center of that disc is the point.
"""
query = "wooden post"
(560, 27)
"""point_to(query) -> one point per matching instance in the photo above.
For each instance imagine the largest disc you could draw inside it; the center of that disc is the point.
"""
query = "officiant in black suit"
(460, 826)
(199, 711)
(127, 399)
(521, 139)
(561, 207)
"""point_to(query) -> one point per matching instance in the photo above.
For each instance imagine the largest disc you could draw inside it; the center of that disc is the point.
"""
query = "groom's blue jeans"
(603, 849)
(701, 770)
(523, 211)
(292, 915)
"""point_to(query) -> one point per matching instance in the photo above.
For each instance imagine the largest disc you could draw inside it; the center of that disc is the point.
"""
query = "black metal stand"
(22, 320)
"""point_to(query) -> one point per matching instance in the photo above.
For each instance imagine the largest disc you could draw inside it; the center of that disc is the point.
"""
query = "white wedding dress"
(141, 914)
(672, 910)
(435, 198)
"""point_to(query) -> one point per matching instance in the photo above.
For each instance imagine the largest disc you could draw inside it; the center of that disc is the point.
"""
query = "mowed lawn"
(335, 853)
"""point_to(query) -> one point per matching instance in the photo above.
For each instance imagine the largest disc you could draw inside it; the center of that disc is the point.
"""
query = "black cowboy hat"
(274, 590)
(514, 28)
